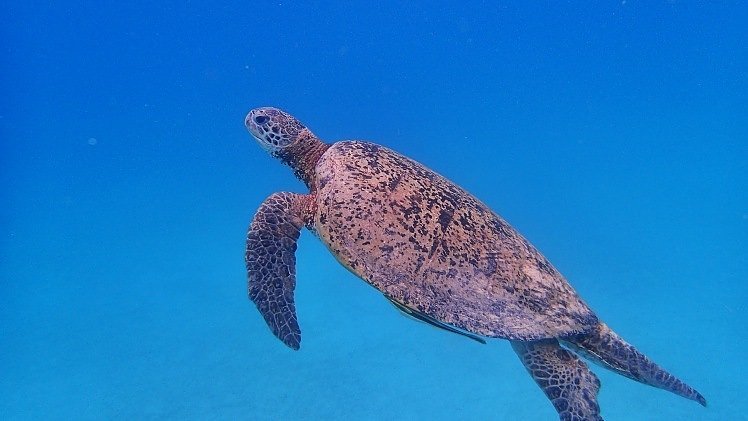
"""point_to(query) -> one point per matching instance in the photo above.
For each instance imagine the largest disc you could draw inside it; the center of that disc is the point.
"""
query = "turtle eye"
(261, 119)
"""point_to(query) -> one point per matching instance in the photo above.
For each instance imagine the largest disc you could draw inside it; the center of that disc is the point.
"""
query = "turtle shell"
(434, 248)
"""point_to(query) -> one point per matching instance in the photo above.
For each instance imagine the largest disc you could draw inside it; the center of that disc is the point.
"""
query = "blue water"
(614, 136)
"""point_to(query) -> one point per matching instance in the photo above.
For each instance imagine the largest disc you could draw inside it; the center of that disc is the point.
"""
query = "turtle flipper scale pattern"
(604, 347)
(271, 263)
(565, 379)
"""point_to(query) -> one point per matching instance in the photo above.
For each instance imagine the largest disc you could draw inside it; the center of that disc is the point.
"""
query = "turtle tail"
(604, 347)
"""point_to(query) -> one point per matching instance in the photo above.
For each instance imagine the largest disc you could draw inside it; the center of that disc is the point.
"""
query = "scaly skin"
(606, 348)
(271, 261)
(565, 379)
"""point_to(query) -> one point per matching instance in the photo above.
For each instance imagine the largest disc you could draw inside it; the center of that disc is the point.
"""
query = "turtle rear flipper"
(564, 378)
(271, 263)
(603, 347)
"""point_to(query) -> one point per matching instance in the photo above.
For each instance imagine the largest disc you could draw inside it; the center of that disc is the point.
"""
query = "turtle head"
(286, 139)
(273, 129)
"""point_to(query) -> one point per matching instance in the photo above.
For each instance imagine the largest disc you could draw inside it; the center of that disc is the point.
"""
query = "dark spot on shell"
(445, 217)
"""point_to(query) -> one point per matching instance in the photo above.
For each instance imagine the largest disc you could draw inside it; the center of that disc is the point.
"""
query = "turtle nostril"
(261, 119)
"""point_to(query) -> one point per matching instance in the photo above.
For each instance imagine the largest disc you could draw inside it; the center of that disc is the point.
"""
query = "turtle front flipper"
(564, 378)
(271, 262)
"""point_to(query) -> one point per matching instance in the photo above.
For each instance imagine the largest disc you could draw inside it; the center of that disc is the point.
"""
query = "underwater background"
(613, 135)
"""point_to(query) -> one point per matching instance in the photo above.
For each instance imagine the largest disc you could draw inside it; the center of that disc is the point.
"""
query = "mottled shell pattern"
(433, 247)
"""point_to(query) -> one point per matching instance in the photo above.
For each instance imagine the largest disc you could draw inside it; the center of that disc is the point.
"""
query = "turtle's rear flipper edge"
(271, 263)
(602, 346)
(565, 379)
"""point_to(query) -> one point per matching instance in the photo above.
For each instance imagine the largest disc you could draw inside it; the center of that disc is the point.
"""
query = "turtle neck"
(302, 156)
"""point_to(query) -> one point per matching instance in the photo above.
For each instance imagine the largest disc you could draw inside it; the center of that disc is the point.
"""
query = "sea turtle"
(438, 254)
